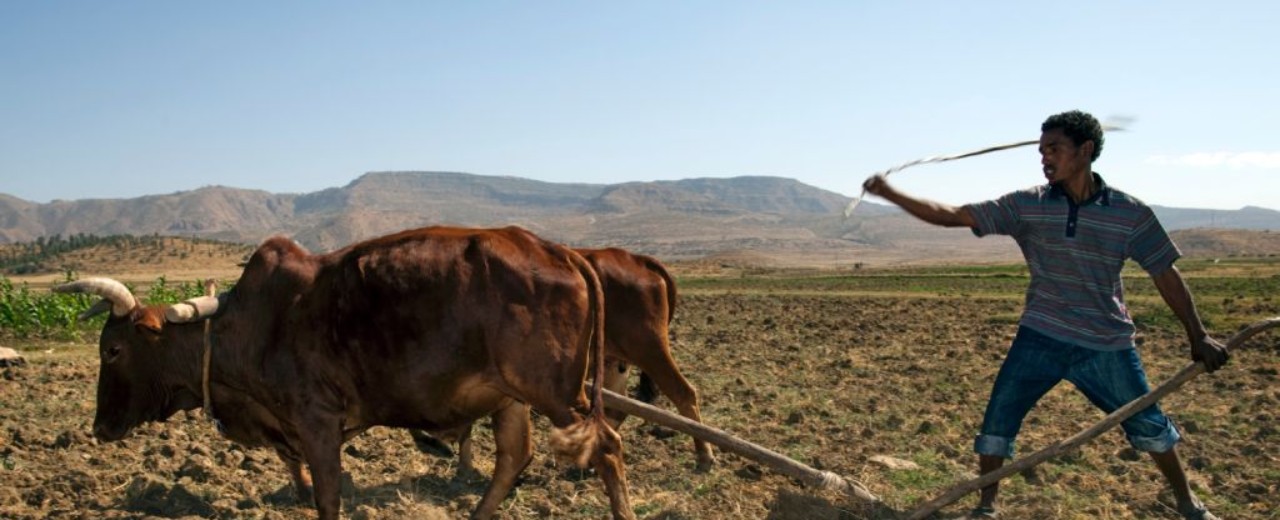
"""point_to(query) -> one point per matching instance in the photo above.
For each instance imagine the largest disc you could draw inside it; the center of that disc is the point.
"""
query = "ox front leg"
(512, 429)
(299, 475)
(466, 461)
(321, 445)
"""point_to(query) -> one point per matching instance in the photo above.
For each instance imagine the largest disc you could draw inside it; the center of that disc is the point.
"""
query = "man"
(1075, 233)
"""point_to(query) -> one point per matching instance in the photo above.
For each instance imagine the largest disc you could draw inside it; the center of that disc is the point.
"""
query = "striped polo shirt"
(1075, 253)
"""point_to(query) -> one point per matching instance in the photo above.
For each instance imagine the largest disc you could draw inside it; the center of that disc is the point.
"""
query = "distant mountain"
(18, 220)
(1219, 243)
(787, 219)
(1248, 217)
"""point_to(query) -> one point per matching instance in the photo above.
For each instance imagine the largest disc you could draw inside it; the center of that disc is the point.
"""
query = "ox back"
(430, 328)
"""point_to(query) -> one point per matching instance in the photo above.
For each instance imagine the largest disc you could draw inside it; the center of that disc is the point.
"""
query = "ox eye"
(112, 352)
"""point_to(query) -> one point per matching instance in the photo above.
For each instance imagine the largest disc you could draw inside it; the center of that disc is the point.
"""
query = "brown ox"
(431, 328)
(640, 298)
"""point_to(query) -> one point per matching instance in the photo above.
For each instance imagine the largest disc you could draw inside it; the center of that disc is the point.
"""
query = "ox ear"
(150, 321)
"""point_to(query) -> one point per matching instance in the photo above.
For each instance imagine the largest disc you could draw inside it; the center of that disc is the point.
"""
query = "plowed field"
(831, 371)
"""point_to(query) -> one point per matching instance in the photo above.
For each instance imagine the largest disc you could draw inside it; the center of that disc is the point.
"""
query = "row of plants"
(42, 314)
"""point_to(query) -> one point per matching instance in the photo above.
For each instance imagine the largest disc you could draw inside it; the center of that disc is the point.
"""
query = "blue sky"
(128, 98)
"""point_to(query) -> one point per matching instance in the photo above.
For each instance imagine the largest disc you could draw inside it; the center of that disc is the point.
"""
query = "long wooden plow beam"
(780, 463)
(1186, 374)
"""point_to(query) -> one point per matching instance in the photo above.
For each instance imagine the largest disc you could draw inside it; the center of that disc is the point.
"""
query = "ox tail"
(595, 299)
(580, 441)
(657, 267)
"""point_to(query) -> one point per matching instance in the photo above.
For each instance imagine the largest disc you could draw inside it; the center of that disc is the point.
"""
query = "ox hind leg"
(657, 364)
(588, 441)
(607, 462)
(513, 440)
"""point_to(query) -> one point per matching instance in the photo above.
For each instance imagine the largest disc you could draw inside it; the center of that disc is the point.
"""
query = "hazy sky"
(128, 98)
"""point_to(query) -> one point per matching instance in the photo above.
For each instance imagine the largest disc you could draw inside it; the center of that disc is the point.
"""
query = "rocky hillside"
(773, 216)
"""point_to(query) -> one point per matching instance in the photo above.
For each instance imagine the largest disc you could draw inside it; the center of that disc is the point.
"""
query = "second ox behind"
(430, 328)
(640, 301)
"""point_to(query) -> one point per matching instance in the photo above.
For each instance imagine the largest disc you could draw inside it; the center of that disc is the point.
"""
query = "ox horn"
(120, 299)
(193, 309)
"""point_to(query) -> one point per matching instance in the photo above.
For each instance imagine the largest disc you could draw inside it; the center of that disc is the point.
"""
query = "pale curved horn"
(192, 310)
(122, 301)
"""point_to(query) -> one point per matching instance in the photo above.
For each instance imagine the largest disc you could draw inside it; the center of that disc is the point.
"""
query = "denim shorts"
(1109, 379)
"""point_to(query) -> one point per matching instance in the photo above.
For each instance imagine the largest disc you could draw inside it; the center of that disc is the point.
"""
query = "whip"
(1113, 124)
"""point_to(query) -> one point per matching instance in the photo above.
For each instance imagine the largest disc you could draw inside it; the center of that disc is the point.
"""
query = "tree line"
(31, 257)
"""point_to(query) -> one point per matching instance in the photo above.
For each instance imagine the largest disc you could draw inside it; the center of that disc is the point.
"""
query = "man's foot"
(1196, 511)
(984, 512)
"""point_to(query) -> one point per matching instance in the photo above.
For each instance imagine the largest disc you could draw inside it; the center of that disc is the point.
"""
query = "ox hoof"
(305, 497)
(468, 475)
(705, 465)
(578, 474)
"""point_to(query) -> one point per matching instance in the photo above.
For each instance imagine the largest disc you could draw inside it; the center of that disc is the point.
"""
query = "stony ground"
(831, 378)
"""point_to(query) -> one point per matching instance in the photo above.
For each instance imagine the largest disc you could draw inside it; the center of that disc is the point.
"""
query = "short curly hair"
(1079, 126)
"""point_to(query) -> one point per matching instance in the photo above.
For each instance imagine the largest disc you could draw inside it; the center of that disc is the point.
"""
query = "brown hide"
(640, 299)
(430, 328)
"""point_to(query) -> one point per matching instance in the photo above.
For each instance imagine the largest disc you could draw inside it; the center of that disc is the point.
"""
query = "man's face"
(1061, 159)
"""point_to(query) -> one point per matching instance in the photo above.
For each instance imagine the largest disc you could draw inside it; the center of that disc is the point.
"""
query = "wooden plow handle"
(780, 463)
(1186, 374)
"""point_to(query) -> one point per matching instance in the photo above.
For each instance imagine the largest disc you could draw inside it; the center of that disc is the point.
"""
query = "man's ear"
(1087, 149)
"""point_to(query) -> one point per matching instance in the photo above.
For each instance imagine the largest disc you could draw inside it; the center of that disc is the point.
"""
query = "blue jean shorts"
(1109, 379)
